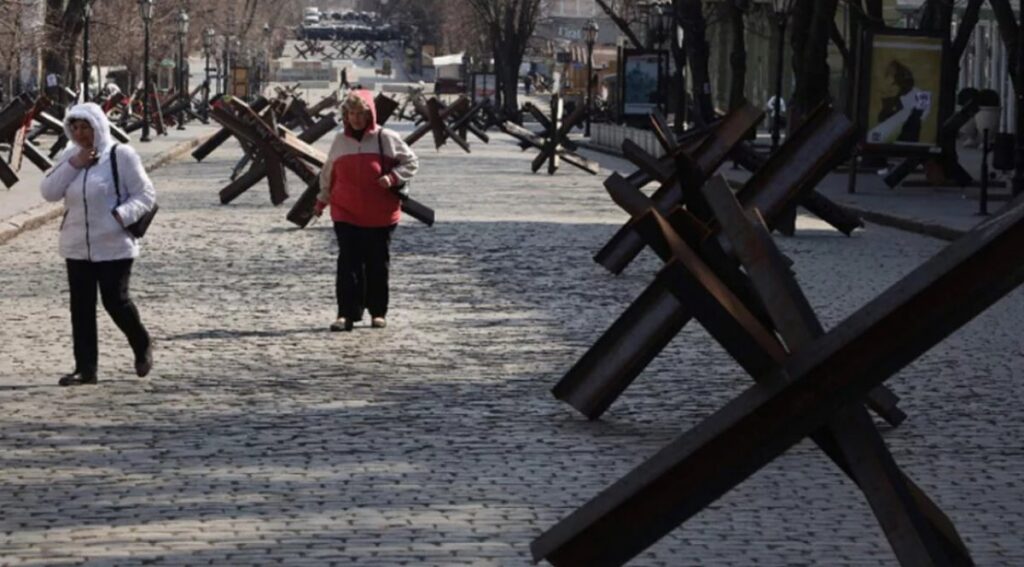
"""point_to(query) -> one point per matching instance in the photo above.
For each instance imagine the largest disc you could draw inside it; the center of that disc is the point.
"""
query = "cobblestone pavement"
(262, 438)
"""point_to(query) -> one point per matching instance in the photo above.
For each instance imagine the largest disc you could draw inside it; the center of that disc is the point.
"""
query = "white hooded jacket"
(89, 230)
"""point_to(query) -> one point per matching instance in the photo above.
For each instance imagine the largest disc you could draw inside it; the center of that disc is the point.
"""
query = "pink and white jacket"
(349, 179)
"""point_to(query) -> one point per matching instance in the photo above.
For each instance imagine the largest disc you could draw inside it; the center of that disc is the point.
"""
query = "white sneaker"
(341, 324)
(379, 322)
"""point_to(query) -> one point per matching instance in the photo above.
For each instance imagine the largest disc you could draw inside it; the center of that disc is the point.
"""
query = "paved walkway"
(261, 438)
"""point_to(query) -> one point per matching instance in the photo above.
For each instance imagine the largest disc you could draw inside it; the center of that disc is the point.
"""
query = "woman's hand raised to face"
(83, 158)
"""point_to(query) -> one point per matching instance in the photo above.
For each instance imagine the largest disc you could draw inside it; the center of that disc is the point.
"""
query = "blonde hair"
(354, 103)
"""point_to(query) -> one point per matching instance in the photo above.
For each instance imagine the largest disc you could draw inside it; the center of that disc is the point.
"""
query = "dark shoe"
(342, 324)
(144, 363)
(77, 378)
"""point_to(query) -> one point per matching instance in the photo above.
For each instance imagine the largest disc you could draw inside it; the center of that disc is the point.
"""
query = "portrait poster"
(642, 77)
(901, 106)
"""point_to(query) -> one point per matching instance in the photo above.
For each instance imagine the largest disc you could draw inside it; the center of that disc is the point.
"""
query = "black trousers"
(112, 278)
(364, 260)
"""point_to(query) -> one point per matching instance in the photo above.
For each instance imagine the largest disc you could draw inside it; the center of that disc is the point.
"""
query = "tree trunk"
(811, 22)
(738, 57)
(1007, 24)
(938, 16)
(63, 26)
(690, 15)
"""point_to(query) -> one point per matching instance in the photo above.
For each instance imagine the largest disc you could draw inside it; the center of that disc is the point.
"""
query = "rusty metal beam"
(708, 152)
(816, 383)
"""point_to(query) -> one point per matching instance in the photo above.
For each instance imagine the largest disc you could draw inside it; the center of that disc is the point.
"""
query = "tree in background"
(508, 25)
(812, 25)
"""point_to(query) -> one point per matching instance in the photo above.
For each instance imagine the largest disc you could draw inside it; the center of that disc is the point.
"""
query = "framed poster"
(643, 78)
(484, 85)
(903, 78)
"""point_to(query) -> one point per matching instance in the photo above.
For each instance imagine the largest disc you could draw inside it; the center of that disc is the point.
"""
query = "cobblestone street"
(262, 438)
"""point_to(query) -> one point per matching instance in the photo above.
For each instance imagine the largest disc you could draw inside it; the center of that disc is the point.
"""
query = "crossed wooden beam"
(647, 326)
(15, 119)
(553, 141)
(309, 47)
(254, 131)
(445, 121)
(802, 161)
(161, 108)
(292, 112)
(814, 386)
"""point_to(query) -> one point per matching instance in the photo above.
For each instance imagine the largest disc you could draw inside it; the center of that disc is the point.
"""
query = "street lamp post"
(229, 45)
(1018, 174)
(86, 16)
(208, 37)
(182, 77)
(782, 9)
(590, 35)
(146, 8)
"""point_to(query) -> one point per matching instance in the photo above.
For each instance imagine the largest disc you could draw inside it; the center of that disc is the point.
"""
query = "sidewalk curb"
(40, 215)
(892, 221)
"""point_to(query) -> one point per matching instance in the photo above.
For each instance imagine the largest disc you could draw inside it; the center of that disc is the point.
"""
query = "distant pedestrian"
(365, 167)
(97, 248)
(344, 78)
(526, 85)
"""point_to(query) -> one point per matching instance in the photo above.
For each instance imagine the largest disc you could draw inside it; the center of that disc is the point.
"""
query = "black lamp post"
(182, 85)
(86, 16)
(590, 36)
(1018, 174)
(226, 63)
(208, 37)
(229, 46)
(782, 10)
(146, 8)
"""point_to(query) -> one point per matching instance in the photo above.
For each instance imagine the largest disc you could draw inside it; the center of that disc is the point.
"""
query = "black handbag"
(138, 228)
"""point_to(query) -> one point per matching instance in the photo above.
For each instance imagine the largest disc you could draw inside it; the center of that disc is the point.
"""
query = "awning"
(445, 60)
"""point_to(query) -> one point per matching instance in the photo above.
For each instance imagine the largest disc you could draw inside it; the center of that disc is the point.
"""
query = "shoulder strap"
(113, 166)
(380, 147)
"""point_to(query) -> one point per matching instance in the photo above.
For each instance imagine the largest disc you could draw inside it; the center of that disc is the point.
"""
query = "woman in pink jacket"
(365, 166)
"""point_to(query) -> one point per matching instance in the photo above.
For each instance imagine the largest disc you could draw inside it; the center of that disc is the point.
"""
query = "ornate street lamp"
(182, 85)
(590, 36)
(86, 16)
(208, 36)
(146, 9)
(782, 9)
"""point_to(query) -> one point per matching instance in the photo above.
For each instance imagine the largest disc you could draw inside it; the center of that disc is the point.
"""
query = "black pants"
(112, 278)
(364, 259)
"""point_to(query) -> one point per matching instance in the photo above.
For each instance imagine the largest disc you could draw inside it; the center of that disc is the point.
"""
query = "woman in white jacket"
(97, 248)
